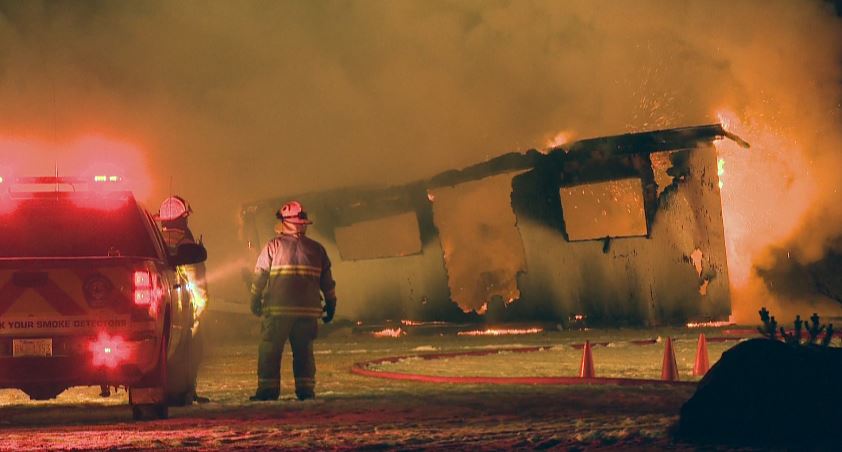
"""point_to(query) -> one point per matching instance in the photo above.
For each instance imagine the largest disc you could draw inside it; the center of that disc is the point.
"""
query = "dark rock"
(766, 392)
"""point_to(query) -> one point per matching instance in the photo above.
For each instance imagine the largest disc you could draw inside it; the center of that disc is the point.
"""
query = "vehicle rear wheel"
(150, 412)
(155, 391)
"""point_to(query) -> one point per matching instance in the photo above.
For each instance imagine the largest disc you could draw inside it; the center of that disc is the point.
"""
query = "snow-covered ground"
(619, 359)
(354, 411)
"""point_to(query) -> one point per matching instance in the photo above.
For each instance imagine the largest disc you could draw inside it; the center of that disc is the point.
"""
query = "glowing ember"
(420, 323)
(501, 332)
(720, 170)
(389, 332)
(713, 324)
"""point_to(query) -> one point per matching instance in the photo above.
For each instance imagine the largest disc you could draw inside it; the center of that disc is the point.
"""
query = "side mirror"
(189, 253)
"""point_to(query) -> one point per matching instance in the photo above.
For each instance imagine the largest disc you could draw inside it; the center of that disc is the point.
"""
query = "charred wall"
(645, 280)
(674, 273)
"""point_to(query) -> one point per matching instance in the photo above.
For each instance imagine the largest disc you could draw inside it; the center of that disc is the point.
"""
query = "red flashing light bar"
(107, 178)
(50, 180)
(64, 179)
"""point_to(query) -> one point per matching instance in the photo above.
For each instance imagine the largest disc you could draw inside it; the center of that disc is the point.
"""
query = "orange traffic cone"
(669, 370)
(586, 368)
(702, 364)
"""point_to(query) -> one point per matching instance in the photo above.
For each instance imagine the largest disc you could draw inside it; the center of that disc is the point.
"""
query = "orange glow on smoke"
(85, 156)
(766, 194)
(501, 332)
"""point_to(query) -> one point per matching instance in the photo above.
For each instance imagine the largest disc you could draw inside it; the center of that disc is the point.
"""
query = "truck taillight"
(147, 290)
(142, 287)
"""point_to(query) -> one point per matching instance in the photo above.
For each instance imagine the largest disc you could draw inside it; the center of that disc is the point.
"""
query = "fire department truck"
(89, 294)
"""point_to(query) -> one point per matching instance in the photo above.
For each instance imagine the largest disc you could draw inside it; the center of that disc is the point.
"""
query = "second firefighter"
(291, 271)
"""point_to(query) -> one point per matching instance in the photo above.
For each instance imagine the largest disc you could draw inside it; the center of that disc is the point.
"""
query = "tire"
(150, 412)
(143, 412)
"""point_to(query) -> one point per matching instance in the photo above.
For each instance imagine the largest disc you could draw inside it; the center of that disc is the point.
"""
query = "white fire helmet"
(173, 208)
(293, 212)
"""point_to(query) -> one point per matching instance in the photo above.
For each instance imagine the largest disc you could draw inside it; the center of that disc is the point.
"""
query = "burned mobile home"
(620, 230)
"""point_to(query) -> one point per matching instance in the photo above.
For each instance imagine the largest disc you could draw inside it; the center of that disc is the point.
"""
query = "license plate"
(32, 347)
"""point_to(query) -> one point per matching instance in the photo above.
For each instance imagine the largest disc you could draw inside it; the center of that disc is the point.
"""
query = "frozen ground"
(361, 412)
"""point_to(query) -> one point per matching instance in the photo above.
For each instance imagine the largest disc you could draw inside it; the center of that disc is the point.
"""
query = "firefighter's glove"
(330, 310)
(256, 304)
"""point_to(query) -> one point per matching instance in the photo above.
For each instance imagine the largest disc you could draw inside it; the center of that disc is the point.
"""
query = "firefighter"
(173, 215)
(292, 269)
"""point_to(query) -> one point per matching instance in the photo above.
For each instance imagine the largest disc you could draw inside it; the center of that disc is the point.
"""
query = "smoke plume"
(226, 102)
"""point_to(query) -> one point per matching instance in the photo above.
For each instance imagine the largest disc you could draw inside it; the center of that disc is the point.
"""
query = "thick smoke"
(238, 101)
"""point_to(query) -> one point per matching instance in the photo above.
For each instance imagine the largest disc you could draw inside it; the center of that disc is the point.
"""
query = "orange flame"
(770, 190)
(501, 332)
(559, 139)
(712, 324)
(389, 332)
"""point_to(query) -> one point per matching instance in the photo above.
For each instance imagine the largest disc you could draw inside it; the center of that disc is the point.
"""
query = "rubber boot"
(263, 395)
(305, 394)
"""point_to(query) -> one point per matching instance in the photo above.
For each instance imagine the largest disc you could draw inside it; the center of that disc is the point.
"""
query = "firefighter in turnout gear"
(291, 270)
(173, 215)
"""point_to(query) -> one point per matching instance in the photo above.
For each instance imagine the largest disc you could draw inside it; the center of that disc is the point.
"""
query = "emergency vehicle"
(89, 294)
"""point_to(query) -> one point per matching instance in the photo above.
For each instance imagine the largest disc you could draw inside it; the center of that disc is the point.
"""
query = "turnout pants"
(301, 331)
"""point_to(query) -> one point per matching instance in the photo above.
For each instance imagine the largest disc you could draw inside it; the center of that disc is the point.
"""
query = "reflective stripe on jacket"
(293, 269)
